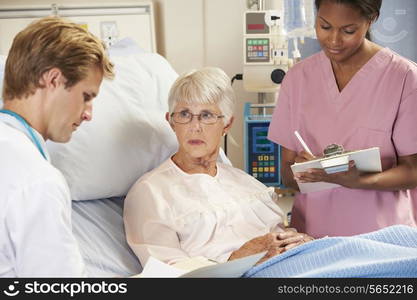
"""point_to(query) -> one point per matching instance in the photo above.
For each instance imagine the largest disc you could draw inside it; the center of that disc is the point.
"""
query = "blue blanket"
(389, 252)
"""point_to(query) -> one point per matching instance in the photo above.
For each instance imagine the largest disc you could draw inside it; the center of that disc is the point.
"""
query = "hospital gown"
(173, 216)
(36, 237)
(377, 108)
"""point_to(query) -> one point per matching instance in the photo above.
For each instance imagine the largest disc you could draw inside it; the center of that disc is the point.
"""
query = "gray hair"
(208, 85)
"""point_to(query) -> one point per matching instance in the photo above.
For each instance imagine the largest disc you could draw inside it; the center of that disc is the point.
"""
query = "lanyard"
(28, 128)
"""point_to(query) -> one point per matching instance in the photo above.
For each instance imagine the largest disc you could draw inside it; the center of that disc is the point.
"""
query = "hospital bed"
(98, 227)
(129, 136)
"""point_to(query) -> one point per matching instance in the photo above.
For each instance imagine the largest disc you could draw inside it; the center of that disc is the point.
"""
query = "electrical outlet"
(109, 32)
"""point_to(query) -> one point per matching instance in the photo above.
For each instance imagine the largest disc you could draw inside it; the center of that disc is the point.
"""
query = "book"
(366, 160)
(199, 267)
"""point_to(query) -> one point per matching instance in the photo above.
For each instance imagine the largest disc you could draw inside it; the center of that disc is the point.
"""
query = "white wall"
(192, 34)
(180, 32)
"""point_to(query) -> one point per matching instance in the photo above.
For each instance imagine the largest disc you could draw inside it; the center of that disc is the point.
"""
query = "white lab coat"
(174, 216)
(36, 238)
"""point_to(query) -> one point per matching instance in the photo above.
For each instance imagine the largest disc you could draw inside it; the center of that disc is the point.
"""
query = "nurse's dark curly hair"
(369, 9)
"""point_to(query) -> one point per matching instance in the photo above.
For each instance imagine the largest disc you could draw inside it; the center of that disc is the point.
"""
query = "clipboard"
(366, 160)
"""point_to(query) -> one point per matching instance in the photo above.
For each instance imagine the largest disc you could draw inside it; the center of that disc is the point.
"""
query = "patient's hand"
(290, 238)
(275, 243)
(268, 242)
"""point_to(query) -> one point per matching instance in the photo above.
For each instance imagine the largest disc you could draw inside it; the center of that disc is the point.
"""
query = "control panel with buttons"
(258, 50)
(262, 157)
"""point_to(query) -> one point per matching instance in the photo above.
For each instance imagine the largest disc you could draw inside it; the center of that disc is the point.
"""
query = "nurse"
(53, 72)
(357, 94)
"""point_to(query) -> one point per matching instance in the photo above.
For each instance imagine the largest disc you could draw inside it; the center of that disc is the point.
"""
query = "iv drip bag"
(294, 16)
(299, 18)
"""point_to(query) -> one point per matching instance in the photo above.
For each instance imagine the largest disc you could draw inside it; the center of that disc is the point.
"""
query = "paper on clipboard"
(366, 160)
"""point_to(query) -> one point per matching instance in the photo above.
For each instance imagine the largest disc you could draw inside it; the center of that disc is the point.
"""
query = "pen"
(303, 143)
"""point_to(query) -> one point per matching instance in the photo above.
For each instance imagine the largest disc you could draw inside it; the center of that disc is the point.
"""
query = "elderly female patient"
(191, 205)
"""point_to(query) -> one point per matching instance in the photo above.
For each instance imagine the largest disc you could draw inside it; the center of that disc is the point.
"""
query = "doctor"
(53, 72)
(360, 95)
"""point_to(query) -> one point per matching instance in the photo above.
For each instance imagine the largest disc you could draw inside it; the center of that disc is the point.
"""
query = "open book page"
(194, 263)
(230, 269)
(199, 267)
(155, 268)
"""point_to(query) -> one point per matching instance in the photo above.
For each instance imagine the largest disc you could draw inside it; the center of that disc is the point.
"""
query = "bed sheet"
(98, 227)
(388, 252)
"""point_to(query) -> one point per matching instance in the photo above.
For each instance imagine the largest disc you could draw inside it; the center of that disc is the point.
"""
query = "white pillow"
(128, 135)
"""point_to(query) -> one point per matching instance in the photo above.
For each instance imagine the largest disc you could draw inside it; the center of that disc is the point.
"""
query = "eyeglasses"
(205, 117)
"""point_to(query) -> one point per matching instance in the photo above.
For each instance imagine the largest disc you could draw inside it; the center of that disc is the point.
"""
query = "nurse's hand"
(349, 179)
(303, 156)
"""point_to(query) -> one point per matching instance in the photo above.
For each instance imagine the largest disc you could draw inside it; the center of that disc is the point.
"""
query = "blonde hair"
(208, 85)
(52, 42)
